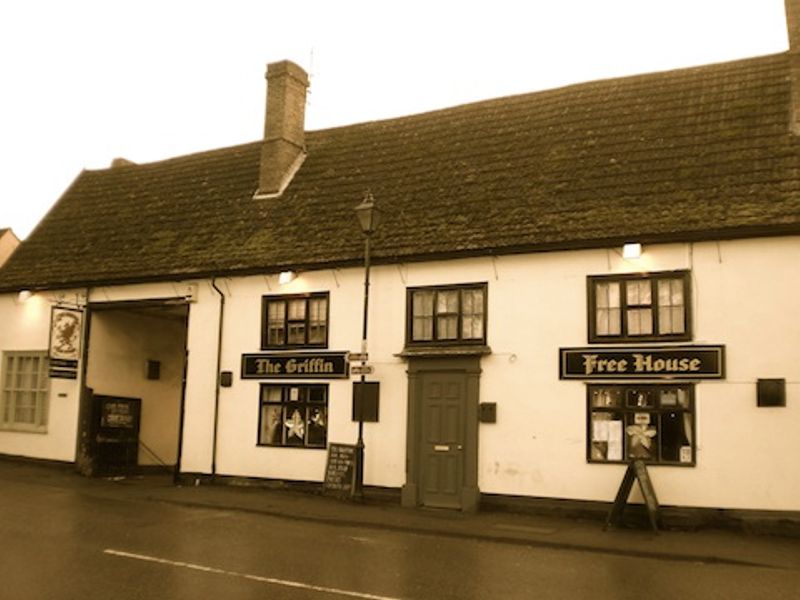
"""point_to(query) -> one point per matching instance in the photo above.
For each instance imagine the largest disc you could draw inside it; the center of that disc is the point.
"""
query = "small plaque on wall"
(487, 412)
(366, 395)
(771, 392)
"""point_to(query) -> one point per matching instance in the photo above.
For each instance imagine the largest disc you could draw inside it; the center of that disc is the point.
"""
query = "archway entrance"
(132, 408)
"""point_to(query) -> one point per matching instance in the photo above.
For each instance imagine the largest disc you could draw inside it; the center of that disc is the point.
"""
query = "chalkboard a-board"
(636, 470)
(340, 470)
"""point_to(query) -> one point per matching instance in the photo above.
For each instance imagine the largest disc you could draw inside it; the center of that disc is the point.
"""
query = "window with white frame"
(640, 307)
(24, 391)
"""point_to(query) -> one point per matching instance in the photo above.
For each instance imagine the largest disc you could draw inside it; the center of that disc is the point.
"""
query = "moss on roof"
(698, 153)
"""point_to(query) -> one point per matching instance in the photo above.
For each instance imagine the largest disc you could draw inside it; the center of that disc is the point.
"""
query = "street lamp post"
(368, 218)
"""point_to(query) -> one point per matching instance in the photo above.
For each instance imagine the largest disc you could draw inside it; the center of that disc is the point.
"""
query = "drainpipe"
(84, 452)
(217, 388)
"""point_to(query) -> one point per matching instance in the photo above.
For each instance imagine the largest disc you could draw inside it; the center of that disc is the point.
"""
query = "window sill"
(633, 339)
(22, 429)
(647, 462)
(454, 350)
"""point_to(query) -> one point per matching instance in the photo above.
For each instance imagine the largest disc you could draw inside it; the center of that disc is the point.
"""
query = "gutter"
(217, 386)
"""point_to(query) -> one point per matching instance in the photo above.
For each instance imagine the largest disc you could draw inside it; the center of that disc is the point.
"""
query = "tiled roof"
(697, 153)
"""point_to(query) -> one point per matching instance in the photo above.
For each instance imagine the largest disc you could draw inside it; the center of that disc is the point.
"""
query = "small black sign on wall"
(771, 392)
(366, 396)
(153, 369)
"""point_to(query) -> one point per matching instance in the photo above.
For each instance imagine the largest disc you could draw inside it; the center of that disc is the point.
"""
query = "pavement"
(708, 545)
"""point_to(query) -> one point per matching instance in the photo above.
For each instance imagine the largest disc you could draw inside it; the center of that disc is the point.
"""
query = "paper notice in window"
(599, 431)
(614, 440)
(641, 418)
(686, 454)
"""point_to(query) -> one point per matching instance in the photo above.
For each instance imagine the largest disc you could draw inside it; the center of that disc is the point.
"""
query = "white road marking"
(271, 580)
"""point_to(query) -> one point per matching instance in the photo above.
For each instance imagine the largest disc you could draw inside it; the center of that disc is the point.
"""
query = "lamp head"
(369, 215)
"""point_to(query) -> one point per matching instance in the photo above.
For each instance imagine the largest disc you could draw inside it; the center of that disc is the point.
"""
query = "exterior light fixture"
(286, 277)
(630, 251)
(369, 215)
(24, 295)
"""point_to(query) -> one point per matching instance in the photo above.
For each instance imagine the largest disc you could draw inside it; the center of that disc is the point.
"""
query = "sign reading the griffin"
(670, 362)
(65, 342)
(299, 365)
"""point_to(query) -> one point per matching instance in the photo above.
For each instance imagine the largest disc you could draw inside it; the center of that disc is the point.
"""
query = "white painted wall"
(25, 326)
(744, 296)
(238, 410)
(120, 344)
(197, 453)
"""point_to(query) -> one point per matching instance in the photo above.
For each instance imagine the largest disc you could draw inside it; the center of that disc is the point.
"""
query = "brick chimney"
(283, 149)
(793, 28)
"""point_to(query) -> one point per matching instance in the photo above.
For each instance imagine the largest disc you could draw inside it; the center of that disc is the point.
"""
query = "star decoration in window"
(640, 435)
(295, 426)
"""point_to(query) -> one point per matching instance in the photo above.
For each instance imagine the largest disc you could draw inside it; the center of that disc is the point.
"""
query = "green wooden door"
(442, 440)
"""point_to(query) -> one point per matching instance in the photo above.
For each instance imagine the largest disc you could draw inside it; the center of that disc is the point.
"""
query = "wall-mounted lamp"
(24, 295)
(630, 251)
(286, 277)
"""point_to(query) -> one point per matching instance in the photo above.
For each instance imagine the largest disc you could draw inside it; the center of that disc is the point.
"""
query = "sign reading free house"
(295, 365)
(664, 362)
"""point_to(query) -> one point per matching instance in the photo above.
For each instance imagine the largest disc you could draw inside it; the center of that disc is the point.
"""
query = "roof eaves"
(705, 235)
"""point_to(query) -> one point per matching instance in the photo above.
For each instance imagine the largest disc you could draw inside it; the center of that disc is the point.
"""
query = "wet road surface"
(58, 542)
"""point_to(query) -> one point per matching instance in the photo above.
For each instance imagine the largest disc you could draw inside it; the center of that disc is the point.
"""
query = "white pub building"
(561, 282)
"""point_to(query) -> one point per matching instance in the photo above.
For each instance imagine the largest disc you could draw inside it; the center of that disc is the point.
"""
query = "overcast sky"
(85, 81)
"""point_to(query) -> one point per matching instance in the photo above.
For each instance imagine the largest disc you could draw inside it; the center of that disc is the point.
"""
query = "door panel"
(443, 404)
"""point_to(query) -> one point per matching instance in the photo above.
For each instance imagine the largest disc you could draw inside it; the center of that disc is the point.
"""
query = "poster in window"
(615, 440)
(271, 424)
(65, 333)
(317, 426)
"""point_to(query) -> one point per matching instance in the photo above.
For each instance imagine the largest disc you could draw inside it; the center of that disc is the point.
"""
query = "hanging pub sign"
(66, 325)
(665, 362)
(295, 365)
